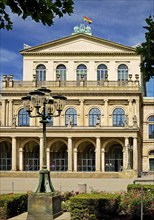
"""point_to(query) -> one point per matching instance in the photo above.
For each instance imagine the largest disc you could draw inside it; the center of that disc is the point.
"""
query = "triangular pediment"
(79, 43)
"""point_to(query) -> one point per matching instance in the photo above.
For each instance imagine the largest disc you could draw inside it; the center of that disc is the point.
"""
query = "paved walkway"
(18, 185)
(64, 216)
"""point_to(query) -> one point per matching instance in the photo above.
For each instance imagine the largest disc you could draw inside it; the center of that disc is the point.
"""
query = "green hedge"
(13, 204)
(94, 206)
(139, 186)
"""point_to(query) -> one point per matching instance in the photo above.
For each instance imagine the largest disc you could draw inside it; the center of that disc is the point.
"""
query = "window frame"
(122, 72)
(73, 113)
(81, 72)
(23, 116)
(151, 127)
(101, 72)
(92, 117)
(41, 72)
(116, 117)
(61, 72)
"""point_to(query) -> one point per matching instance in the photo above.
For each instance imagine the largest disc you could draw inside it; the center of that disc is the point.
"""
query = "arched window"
(71, 112)
(61, 72)
(122, 72)
(41, 73)
(81, 72)
(151, 127)
(101, 72)
(94, 115)
(23, 118)
(118, 117)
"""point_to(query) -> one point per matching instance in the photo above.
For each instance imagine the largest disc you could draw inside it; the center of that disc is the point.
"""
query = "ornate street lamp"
(130, 148)
(40, 103)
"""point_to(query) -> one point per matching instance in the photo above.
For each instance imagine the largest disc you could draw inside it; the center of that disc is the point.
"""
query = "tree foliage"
(39, 10)
(146, 50)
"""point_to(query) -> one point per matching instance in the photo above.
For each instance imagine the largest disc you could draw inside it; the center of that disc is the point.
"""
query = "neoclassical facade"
(112, 122)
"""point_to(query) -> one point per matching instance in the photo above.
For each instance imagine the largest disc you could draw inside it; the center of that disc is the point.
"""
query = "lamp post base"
(45, 185)
(44, 206)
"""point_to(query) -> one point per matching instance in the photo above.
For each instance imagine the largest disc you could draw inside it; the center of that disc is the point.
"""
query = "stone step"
(30, 174)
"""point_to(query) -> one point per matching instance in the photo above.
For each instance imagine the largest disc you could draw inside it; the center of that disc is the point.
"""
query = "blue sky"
(120, 21)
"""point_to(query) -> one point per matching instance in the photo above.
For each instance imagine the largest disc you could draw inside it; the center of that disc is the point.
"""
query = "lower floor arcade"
(71, 154)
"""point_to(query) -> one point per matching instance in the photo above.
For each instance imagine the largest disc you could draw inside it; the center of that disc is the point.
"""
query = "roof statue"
(82, 29)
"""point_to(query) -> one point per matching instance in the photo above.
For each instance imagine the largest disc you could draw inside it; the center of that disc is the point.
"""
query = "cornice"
(78, 53)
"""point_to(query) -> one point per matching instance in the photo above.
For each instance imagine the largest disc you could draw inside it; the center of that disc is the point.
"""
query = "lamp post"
(40, 103)
(130, 148)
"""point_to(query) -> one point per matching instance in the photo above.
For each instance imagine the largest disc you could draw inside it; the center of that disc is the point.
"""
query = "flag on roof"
(87, 19)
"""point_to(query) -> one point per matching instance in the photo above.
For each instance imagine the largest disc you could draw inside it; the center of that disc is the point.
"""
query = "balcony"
(104, 85)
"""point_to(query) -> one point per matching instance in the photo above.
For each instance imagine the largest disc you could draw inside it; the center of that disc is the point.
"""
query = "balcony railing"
(55, 84)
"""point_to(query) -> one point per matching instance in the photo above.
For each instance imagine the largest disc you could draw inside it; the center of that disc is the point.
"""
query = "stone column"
(125, 154)
(14, 154)
(103, 160)
(70, 159)
(135, 154)
(106, 118)
(41, 152)
(75, 159)
(98, 154)
(21, 162)
(10, 113)
(48, 158)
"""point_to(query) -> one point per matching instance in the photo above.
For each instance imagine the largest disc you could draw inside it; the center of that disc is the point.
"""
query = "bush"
(130, 205)
(137, 187)
(13, 204)
(94, 206)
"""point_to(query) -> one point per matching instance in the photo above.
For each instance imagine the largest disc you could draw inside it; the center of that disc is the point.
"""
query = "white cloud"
(8, 56)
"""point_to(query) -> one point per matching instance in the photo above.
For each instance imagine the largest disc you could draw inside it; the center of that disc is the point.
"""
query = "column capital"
(130, 100)
(103, 150)
(48, 149)
(98, 137)
(75, 150)
(106, 100)
(81, 100)
(21, 149)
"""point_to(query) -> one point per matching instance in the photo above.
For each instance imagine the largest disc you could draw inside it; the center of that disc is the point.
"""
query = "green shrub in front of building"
(130, 204)
(94, 206)
(137, 187)
(12, 205)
